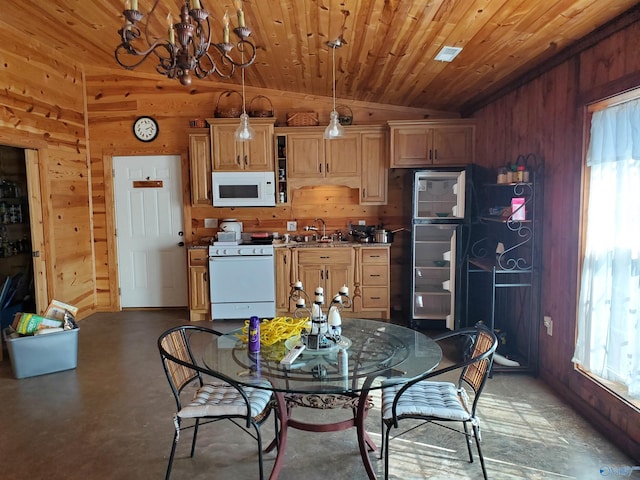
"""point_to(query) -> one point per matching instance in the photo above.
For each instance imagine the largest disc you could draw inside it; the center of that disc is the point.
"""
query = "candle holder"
(323, 331)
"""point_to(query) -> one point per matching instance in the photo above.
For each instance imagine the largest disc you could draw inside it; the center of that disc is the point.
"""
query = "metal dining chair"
(219, 399)
(442, 402)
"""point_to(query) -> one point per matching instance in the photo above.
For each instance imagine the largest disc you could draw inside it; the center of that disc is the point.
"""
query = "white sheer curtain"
(608, 343)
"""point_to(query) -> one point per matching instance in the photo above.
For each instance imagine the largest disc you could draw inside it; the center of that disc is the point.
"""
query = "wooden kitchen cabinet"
(420, 143)
(364, 270)
(198, 284)
(230, 155)
(375, 280)
(359, 160)
(329, 268)
(310, 157)
(283, 272)
(375, 171)
(200, 166)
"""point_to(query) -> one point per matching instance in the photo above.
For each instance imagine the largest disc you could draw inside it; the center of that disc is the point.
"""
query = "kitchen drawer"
(198, 257)
(375, 297)
(375, 275)
(375, 255)
(324, 256)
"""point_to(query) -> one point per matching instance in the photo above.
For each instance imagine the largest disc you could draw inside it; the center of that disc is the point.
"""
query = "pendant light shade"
(334, 129)
(244, 132)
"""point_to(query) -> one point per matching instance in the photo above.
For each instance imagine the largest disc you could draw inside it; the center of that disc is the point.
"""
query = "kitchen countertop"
(329, 244)
(293, 244)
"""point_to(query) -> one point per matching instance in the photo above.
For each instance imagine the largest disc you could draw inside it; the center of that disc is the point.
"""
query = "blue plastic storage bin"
(42, 354)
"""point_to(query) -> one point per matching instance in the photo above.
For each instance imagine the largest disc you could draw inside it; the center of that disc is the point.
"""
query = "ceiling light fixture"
(190, 54)
(244, 132)
(334, 129)
(447, 54)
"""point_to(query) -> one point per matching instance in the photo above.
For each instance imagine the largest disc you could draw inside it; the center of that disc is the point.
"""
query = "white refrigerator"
(441, 211)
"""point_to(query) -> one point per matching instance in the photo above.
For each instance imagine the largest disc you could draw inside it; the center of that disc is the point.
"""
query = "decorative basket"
(227, 106)
(302, 119)
(260, 106)
(345, 115)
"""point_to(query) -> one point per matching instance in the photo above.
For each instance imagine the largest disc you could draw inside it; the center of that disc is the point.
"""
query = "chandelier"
(185, 50)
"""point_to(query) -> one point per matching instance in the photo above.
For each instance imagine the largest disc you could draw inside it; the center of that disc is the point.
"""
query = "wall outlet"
(292, 226)
(548, 322)
(210, 223)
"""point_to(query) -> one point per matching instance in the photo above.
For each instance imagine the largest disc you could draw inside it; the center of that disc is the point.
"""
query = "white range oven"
(242, 281)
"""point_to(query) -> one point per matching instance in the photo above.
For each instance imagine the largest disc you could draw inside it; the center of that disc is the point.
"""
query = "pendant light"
(334, 129)
(244, 132)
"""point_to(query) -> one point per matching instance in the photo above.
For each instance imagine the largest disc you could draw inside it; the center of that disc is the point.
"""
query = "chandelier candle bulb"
(225, 30)
(196, 5)
(238, 5)
(134, 4)
(172, 33)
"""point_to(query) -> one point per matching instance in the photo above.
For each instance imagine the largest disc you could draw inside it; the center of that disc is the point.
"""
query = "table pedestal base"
(359, 405)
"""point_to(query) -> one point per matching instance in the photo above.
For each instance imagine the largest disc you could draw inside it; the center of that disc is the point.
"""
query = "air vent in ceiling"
(447, 54)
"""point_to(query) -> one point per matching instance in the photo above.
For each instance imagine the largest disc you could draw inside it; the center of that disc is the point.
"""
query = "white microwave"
(244, 189)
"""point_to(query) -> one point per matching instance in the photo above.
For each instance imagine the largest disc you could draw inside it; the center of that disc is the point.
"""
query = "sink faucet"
(314, 228)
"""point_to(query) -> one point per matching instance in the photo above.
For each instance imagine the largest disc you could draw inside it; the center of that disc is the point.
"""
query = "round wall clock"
(145, 129)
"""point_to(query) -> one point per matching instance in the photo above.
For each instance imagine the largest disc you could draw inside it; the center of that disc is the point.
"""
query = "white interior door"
(151, 263)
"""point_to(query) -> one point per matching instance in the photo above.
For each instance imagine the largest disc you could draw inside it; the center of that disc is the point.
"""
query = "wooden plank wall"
(546, 117)
(115, 100)
(42, 107)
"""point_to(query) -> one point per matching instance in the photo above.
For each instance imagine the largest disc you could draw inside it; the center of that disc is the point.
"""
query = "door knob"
(181, 244)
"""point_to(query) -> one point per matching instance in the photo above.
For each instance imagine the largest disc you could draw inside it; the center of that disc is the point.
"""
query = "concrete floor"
(111, 418)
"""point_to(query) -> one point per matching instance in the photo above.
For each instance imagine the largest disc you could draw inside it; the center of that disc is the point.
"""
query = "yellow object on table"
(275, 330)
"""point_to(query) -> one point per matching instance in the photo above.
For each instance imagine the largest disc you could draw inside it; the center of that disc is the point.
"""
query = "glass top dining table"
(375, 350)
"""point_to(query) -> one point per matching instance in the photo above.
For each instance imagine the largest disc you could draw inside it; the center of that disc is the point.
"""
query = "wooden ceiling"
(390, 44)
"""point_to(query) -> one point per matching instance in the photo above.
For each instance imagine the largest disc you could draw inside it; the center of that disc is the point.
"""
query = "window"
(608, 337)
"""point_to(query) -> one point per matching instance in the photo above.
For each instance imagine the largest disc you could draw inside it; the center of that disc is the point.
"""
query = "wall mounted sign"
(147, 184)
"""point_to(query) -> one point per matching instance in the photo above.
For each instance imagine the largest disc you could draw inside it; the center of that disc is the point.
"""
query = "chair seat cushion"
(426, 399)
(221, 399)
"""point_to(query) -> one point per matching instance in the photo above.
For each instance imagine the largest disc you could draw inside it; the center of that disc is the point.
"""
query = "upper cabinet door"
(259, 151)
(373, 190)
(231, 155)
(305, 153)
(421, 143)
(226, 153)
(410, 146)
(200, 166)
(453, 145)
(343, 156)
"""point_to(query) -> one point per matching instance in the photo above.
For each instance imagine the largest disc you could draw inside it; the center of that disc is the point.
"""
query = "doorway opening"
(17, 291)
